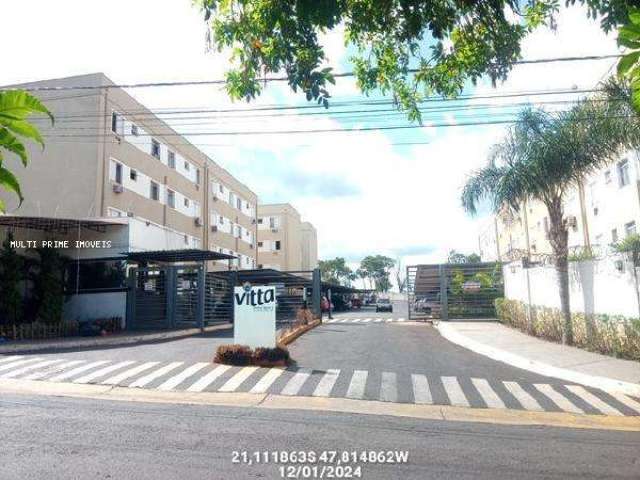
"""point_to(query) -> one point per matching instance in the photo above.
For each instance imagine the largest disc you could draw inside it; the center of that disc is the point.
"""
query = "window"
(134, 130)
(248, 206)
(259, 221)
(186, 165)
(155, 148)
(260, 244)
(623, 173)
(186, 239)
(186, 202)
(238, 203)
(171, 159)
(115, 120)
(198, 176)
(630, 228)
(614, 235)
(171, 198)
(272, 222)
(118, 177)
(221, 188)
(277, 244)
(607, 176)
(154, 193)
(133, 175)
(221, 220)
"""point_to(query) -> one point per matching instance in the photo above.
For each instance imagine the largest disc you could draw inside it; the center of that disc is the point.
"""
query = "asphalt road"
(57, 438)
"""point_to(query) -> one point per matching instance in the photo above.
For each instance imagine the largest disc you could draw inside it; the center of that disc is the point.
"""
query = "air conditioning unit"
(215, 198)
(274, 230)
(198, 222)
(214, 228)
(117, 188)
(572, 221)
(130, 214)
(253, 221)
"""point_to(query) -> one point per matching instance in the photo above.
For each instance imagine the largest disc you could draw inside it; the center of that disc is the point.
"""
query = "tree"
(629, 65)
(401, 275)
(11, 273)
(542, 157)
(336, 271)
(455, 257)
(378, 268)
(15, 107)
(48, 285)
(407, 48)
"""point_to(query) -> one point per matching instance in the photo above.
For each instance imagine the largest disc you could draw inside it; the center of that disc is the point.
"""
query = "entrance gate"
(171, 297)
(450, 291)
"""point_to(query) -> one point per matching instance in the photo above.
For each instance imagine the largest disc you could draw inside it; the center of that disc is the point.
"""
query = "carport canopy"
(175, 256)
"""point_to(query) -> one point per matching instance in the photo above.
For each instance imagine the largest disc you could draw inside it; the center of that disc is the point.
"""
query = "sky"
(393, 192)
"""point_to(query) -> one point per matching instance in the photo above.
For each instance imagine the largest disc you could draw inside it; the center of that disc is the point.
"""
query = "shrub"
(263, 356)
(611, 335)
(240, 355)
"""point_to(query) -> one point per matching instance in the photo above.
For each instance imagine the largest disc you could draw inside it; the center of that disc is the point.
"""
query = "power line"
(276, 79)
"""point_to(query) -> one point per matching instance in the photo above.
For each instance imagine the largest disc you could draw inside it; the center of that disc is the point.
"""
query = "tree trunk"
(559, 239)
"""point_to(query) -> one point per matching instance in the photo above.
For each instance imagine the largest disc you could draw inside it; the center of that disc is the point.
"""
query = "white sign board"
(254, 316)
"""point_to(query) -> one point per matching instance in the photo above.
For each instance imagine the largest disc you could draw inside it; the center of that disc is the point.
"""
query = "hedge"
(613, 335)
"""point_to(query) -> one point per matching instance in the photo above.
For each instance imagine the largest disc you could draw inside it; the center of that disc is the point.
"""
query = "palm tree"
(15, 107)
(543, 156)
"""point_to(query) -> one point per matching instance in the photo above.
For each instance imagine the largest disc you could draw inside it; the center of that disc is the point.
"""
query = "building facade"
(600, 212)
(284, 241)
(109, 156)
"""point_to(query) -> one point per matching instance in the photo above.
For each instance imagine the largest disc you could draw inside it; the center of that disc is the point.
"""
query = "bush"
(263, 356)
(240, 355)
(607, 334)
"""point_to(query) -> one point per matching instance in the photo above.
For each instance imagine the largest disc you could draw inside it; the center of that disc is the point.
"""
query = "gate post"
(444, 298)
(201, 296)
(316, 294)
(129, 321)
(170, 292)
(233, 281)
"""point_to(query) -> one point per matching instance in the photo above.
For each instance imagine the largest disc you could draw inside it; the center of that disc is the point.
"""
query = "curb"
(287, 338)
(603, 383)
(114, 341)
(329, 404)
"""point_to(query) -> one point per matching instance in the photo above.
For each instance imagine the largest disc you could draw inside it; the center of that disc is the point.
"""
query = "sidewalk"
(118, 339)
(515, 348)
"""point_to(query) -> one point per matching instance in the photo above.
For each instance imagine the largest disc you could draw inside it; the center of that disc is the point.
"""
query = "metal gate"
(450, 291)
(177, 297)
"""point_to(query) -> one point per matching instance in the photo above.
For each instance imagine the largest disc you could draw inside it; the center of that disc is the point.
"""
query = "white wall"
(91, 306)
(595, 286)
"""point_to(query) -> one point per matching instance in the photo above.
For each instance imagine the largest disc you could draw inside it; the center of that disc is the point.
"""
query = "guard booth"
(454, 291)
(173, 289)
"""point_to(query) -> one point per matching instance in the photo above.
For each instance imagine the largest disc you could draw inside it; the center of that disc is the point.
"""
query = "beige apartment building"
(603, 211)
(109, 156)
(284, 241)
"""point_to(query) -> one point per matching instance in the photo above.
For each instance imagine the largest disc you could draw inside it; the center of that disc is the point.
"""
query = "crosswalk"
(364, 321)
(386, 386)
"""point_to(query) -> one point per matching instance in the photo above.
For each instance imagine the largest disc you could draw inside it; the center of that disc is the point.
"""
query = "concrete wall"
(603, 286)
(91, 306)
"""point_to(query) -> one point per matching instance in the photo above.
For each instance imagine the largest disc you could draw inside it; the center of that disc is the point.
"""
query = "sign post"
(254, 316)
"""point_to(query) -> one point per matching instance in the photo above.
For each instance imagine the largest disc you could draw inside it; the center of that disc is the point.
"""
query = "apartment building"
(109, 156)
(284, 241)
(602, 211)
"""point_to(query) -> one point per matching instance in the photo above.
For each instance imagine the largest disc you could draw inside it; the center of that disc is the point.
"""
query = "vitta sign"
(254, 316)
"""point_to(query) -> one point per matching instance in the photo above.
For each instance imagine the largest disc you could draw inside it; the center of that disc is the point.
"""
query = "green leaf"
(9, 182)
(19, 104)
(2, 206)
(25, 129)
(10, 142)
(628, 62)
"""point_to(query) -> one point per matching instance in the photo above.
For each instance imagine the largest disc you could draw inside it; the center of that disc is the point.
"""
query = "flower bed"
(242, 355)
(613, 335)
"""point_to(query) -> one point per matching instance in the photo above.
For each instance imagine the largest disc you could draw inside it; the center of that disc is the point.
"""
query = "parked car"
(356, 303)
(384, 305)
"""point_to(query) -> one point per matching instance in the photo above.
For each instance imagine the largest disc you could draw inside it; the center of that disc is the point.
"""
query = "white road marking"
(324, 387)
(333, 320)
(454, 392)
(400, 320)
(344, 321)
(355, 320)
(34, 366)
(525, 399)
(208, 379)
(295, 384)
(358, 384)
(50, 371)
(377, 320)
(592, 400)
(625, 400)
(421, 392)
(389, 387)
(234, 382)
(101, 372)
(388, 320)
(267, 380)
(366, 320)
(142, 381)
(176, 380)
(76, 371)
(487, 393)
(17, 363)
(129, 373)
(560, 400)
